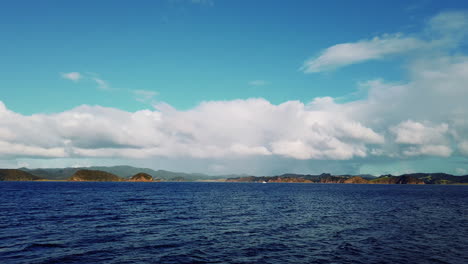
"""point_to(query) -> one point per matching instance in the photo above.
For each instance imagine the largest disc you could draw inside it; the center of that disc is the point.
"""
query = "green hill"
(141, 177)
(439, 178)
(403, 179)
(17, 175)
(94, 175)
(52, 174)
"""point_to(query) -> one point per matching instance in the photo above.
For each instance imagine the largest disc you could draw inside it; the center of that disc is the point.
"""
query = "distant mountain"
(17, 175)
(52, 174)
(181, 176)
(124, 172)
(95, 175)
(65, 173)
(129, 171)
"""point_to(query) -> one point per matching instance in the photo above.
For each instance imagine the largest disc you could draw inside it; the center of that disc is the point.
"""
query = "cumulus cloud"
(424, 116)
(410, 132)
(432, 150)
(211, 130)
(73, 76)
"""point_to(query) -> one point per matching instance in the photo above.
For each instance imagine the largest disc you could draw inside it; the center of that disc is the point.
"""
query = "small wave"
(91, 256)
(33, 246)
(163, 246)
(135, 200)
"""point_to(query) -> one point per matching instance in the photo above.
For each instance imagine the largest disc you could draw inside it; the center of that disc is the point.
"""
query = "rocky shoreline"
(131, 174)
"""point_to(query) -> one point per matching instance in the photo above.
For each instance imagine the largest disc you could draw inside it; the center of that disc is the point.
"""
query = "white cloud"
(241, 149)
(461, 171)
(450, 22)
(350, 53)
(73, 76)
(294, 149)
(431, 150)
(103, 85)
(410, 132)
(216, 129)
(76, 76)
(21, 150)
(463, 146)
(443, 31)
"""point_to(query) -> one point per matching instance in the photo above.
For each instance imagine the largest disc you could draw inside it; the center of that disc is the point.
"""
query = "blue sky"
(187, 52)
(60, 58)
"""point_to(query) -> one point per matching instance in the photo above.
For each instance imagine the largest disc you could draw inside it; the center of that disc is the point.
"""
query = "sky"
(221, 87)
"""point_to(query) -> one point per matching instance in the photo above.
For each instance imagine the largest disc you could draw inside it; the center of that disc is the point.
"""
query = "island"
(141, 177)
(95, 175)
(17, 175)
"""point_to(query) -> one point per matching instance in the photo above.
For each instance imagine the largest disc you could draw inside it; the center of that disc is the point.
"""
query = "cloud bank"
(425, 116)
(212, 130)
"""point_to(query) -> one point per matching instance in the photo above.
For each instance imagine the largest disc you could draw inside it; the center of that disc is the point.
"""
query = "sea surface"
(88, 222)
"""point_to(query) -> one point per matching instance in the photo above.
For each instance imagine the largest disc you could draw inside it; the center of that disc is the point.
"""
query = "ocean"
(183, 222)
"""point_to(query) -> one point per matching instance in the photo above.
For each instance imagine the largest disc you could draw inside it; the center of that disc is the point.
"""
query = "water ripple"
(48, 222)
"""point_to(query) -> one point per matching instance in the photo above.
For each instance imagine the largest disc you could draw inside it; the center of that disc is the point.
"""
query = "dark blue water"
(61, 222)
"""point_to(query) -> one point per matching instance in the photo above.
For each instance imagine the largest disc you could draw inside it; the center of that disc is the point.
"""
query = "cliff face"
(141, 177)
(356, 180)
(94, 175)
(332, 179)
(17, 175)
